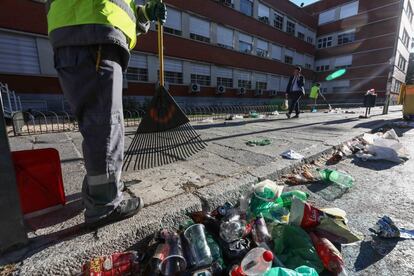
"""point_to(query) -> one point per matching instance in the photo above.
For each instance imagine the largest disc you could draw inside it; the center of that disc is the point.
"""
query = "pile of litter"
(269, 232)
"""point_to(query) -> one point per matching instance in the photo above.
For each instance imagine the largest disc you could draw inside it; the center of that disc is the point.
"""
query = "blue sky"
(307, 2)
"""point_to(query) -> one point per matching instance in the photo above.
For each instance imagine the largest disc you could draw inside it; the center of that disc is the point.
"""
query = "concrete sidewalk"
(59, 244)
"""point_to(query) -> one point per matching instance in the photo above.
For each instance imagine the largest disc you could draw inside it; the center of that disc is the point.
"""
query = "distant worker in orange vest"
(91, 42)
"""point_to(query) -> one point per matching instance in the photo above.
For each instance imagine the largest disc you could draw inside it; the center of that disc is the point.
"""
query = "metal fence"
(38, 122)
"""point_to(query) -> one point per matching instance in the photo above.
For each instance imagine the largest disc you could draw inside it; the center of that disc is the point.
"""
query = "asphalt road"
(219, 174)
(381, 188)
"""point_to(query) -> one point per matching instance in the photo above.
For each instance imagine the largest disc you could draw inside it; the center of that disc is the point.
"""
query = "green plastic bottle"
(285, 199)
(340, 178)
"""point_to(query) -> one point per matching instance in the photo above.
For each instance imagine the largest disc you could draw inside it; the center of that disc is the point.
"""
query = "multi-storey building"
(370, 39)
(228, 51)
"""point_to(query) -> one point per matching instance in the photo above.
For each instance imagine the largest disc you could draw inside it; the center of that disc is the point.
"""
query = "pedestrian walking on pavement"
(294, 92)
(91, 44)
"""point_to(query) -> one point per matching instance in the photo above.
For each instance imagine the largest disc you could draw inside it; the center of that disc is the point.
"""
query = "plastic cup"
(199, 250)
(267, 191)
(174, 260)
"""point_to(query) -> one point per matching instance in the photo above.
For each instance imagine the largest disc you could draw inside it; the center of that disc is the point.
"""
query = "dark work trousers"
(294, 101)
(91, 79)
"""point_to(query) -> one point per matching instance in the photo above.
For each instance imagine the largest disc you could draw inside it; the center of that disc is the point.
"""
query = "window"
(274, 83)
(261, 81)
(246, 7)
(225, 77)
(309, 40)
(396, 87)
(200, 74)
(173, 71)
(278, 22)
(173, 23)
(299, 59)
(301, 36)
(290, 28)
(406, 39)
(343, 62)
(402, 63)
(409, 12)
(261, 85)
(346, 38)
(244, 79)
(326, 16)
(264, 13)
(276, 52)
(199, 29)
(309, 61)
(245, 43)
(349, 10)
(262, 49)
(322, 65)
(288, 59)
(12, 60)
(225, 37)
(138, 68)
(325, 42)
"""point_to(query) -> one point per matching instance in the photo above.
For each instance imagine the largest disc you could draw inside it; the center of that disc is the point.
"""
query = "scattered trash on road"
(386, 228)
(116, 264)
(340, 178)
(270, 232)
(208, 121)
(234, 117)
(383, 146)
(275, 113)
(264, 142)
(292, 155)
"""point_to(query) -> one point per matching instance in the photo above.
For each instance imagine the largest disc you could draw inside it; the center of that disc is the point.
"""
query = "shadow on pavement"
(67, 212)
(379, 165)
(329, 192)
(372, 251)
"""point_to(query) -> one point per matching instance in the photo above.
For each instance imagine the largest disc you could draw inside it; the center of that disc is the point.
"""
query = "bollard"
(12, 230)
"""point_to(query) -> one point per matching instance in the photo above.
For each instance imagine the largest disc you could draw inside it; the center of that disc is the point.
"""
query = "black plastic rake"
(165, 134)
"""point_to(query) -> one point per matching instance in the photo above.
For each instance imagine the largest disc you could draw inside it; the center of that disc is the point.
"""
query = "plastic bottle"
(257, 262)
(329, 255)
(285, 199)
(212, 224)
(340, 178)
(260, 233)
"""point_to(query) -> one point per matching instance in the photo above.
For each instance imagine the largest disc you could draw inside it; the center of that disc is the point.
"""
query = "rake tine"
(129, 155)
(139, 150)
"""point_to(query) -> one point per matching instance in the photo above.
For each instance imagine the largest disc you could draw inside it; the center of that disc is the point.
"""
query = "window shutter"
(200, 69)
(243, 75)
(18, 54)
(245, 38)
(349, 10)
(326, 16)
(274, 83)
(225, 36)
(172, 65)
(343, 61)
(264, 11)
(138, 61)
(173, 19)
(199, 26)
(263, 45)
(224, 72)
(276, 52)
(260, 77)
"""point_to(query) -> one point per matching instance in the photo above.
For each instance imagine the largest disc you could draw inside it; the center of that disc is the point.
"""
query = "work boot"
(126, 209)
(296, 116)
(288, 115)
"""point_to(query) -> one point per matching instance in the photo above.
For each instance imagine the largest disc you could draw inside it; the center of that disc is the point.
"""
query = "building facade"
(228, 51)
(369, 39)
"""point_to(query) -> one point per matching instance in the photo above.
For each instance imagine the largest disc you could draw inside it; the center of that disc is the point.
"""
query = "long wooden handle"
(161, 51)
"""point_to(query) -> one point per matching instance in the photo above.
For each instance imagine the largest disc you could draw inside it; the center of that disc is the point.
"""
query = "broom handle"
(161, 51)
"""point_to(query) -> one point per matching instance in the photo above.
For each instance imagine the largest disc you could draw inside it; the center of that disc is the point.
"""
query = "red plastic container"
(39, 179)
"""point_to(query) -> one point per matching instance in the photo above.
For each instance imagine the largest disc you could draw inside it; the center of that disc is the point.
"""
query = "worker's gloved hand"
(155, 10)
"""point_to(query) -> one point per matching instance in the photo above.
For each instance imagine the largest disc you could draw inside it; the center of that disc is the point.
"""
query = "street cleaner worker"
(91, 42)
(316, 87)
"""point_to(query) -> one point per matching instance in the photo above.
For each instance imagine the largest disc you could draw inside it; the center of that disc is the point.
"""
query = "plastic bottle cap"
(268, 256)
